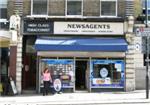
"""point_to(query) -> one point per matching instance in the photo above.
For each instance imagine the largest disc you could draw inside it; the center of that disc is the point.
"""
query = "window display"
(61, 69)
(107, 73)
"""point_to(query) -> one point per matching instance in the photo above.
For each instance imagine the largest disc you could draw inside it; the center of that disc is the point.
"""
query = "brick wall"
(121, 8)
(26, 7)
(91, 8)
(57, 7)
(10, 7)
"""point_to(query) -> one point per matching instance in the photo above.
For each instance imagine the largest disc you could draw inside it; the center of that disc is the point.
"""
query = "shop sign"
(88, 28)
(34, 27)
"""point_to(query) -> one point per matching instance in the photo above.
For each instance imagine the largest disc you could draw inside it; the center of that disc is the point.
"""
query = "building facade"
(140, 43)
(88, 44)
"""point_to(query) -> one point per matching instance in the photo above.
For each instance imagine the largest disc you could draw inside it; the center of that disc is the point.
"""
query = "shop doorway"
(29, 72)
(29, 65)
(80, 75)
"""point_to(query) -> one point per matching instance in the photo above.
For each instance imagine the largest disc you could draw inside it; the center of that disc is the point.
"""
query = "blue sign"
(54, 61)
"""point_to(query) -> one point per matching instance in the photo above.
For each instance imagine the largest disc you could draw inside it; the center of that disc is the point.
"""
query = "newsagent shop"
(88, 56)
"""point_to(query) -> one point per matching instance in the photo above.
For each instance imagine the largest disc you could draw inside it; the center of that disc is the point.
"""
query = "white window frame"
(39, 14)
(109, 1)
(74, 15)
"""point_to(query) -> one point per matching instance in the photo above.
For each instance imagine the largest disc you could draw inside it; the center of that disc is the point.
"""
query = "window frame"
(66, 8)
(39, 14)
(116, 2)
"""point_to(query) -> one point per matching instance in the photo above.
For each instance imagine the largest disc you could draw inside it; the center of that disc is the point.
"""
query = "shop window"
(108, 8)
(74, 7)
(39, 7)
(108, 73)
(62, 69)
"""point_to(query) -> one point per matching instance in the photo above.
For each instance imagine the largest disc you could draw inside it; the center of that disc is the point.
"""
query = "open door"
(80, 75)
(29, 72)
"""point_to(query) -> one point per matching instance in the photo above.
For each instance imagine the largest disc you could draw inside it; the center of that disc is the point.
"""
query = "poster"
(62, 69)
(107, 74)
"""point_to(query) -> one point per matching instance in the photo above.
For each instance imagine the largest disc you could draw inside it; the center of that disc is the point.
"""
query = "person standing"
(46, 80)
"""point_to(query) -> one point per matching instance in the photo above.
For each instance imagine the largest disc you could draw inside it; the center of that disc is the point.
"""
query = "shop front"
(83, 55)
(75, 75)
(83, 64)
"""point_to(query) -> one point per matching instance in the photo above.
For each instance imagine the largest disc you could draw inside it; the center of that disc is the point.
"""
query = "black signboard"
(34, 27)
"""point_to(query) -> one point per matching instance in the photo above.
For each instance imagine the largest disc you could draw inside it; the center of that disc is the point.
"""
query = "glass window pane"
(148, 3)
(3, 1)
(108, 73)
(3, 9)
(108, 8)
(4, 25)
(39, 7)
(3, 13)
(74, 8)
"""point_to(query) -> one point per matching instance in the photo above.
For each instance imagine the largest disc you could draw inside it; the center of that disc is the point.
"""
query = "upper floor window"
(74, 7)
(39, 7)
(148, 7)
(148, 4)
(3, 14)
(3, 9)
(108, 8)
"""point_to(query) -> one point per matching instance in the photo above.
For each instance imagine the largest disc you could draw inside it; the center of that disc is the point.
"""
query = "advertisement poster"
(57, 85)
(62, 69)
(107, 74)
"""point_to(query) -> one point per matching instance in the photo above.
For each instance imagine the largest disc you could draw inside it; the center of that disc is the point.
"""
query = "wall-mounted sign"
(34, 27)
(88, 28)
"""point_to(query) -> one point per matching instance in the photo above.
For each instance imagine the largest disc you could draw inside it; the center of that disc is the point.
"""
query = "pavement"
(79, 98)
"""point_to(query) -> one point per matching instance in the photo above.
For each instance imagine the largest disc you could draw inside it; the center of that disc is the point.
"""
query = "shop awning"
(93, 44)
